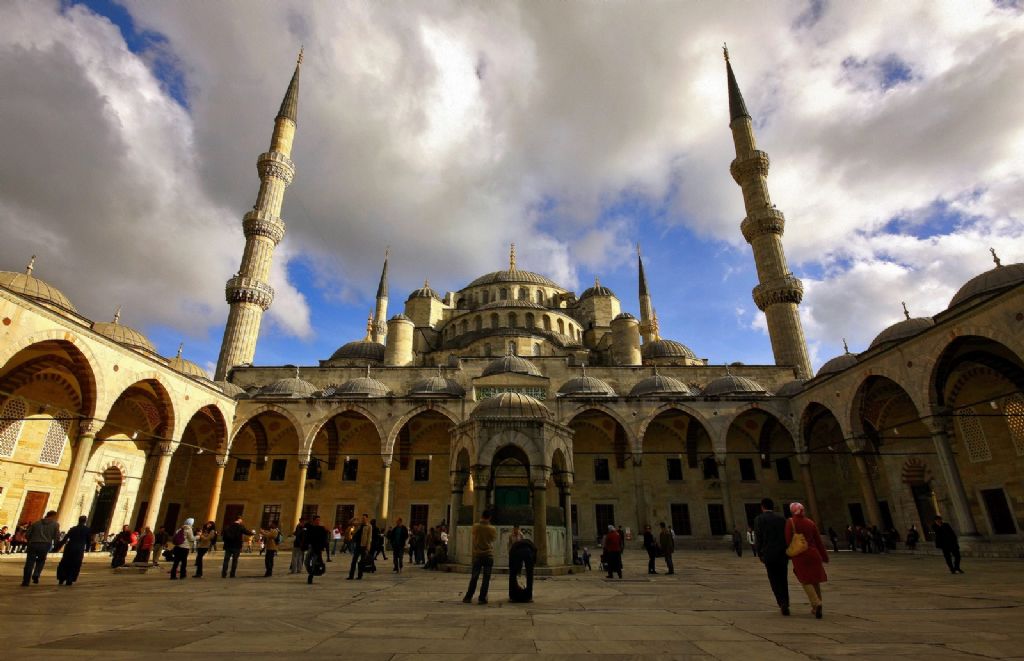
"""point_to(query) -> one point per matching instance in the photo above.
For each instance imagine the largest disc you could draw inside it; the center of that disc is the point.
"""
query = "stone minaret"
(380, 315)
(778, 293)
(647, 324)
(248, 293)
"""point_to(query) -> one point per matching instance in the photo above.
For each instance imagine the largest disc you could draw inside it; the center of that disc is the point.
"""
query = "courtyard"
(716, 606)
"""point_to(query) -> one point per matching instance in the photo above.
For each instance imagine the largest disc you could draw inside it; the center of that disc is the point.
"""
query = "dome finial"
(117, 315)
(995, 257)
(597, 281)
(181, 347)
(297, 372)
(655, 330)
(302, 50)
(725, 51)
(846, 349)
(728, 370)
(369, 327)
(906, 313)
(426, 283)
(31, 265)
(512, 257)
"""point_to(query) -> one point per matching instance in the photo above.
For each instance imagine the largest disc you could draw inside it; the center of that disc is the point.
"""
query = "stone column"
(66, 514)
(218, 483)
(812, 496)
(156, 492)
(723, 479)
(954, 485)
(384, 493)
(300, 494)
(455, 503)
(567, 493)
(867, 488)
(481, 481)
(640, 495)
(540, 520)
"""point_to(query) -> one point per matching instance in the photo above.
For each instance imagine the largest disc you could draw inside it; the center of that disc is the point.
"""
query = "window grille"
(56, 439)
(1015, 421)
(973, 436)
(11, 422)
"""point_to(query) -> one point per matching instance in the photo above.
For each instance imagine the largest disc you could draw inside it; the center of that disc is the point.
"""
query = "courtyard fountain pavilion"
(562, 412)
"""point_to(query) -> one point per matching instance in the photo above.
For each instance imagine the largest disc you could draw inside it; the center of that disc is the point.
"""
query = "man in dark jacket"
(667, 546)
(398, 537)
(75, 544)
(946, 540)
(652, 549)
(770, 534)
(41, 535)
(315, 540)
(362, 539)
(234, 535)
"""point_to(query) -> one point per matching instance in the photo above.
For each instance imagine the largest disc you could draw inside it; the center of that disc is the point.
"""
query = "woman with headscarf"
(808, 566)
(122, 542)
(183, 541)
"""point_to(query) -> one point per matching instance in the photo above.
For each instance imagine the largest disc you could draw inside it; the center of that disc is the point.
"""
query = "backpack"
(179, 537)
(279, 538)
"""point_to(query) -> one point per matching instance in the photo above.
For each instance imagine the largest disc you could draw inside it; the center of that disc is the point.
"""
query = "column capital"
(303, 462)
(222, 460)
(166, 448)
(88, 427)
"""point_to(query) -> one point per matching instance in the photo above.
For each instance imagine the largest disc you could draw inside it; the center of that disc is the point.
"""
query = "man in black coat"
(652, 549)
(770, 533)
(234, 536)
(946, 540)
(75, 544)
(315, 540)
(398, 537)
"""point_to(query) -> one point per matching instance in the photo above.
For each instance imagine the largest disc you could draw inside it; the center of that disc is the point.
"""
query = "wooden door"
(171, 517)
(34, 506)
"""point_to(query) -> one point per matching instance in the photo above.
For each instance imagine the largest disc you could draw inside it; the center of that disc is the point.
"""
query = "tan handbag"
(798, 544)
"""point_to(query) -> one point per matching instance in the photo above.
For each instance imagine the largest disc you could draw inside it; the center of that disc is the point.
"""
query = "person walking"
(361, 542)
(808, 566)
(234, 535)
(483, 538)
(184, 539)
(271, 538)
(203, 544)
(75, 544)
(585, 557)
(298, 559)
(913, 537)
(770, 535)
(737, 542)
(834, 538)
(398, 537)
(652, 549)
(613, 552)
(667, 544)
(121, 545)
(946, 540)
(315, 540)
(752, 540)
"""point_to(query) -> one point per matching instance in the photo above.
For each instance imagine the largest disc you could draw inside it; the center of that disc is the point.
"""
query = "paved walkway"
(717, 606)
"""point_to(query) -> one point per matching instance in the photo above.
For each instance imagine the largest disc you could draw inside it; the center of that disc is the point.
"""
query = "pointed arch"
(344, 407)
(389, 441)
(239, 423)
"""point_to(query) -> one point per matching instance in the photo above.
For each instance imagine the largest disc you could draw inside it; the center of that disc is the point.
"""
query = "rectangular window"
(277, 470)
(784, 469)
(575, 522)
(681, 519)
(421, 472)
(601, 471)
(350, 470)
(675, 469)
(856, 513)
(271, 517)
(751, 510)
(716, 518)
(343, 514)
(999, 514)
(242, 467)
(419, 515)
(605, 516)
(747, 473)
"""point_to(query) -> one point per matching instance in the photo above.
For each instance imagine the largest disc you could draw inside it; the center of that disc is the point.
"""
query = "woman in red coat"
(808, 566)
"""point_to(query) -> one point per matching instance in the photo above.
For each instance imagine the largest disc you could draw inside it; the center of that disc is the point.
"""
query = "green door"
(511, 496)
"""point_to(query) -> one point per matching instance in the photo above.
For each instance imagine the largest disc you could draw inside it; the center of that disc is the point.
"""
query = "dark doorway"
(604, 515)
(103, 508)
(999, 514)
(171, 518)
(716, 519)
(856, 514)
(231, 512)
(419, 515)
(34, 506)
(883, 508)
(751, 510)
(925, 507)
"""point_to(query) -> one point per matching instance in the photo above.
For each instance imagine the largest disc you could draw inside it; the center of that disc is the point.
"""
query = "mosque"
(562, 412)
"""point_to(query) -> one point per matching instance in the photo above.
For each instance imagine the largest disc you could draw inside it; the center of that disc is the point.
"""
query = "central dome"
(666, 349)
(511, 363)
(360, 350)
(511, 405)
(515, 276)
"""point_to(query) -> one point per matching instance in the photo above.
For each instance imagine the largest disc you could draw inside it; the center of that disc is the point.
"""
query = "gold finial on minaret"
(117, 315)
(31, 265)
(369, 327)
(906, 313)
(302, 50)
(638, 249)
(655, 329)
(512, 257)
(725, 51)
(181, 347)
(846, 349)
(995, 257)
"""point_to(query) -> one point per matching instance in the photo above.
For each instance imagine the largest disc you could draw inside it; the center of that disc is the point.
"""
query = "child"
(586, 558)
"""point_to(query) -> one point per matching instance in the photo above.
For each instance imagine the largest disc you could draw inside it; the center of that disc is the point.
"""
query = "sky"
(447, 130)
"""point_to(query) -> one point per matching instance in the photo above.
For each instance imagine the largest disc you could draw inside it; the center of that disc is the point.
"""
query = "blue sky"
(448, 130)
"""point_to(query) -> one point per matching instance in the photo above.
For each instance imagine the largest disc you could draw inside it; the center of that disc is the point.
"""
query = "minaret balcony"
(787, 289)
(255, 223)
(766, 221)
(277, 165)
(754, 164)
(241, 289)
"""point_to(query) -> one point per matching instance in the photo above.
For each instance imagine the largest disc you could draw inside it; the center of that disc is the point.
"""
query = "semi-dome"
(624, 315)
(186, 367)
(511, 405)
(990, 282)
(791, 389)
(229, 389)
(294, 387)
(364, 386)
(29, 286)
(437, 386)
(597, 290)
(513, 276)
(661, 386)
(123, 335)
(511, 363)
(362, 350)
(666, 349)
(733, 385)
(901, 331)
(837, 364)
(586, 386)
(426, 291)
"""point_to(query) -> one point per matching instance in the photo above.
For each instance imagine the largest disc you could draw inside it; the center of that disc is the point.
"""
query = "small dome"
(597, 290)
(32, 287)
(661, 386)
(837, 364)
(364, 386)
(791, 389)
(123, 335)
(437, 386)
(187, 367)
(513, 275)
(511, 405)
(400, 317)
(586, 386)
(362, 350)
(733, 385)
(511, 363)
(291, 387)
(624, 315)
(426, 291)
(229, 389)
(989, 282)
(666, 349)
(901, 331)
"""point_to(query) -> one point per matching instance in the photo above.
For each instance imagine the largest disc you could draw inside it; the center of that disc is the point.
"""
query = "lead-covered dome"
(186, 367)
(837, 364)
(123, 335)
(511, 405)
(661, 386)
(990, 282)
(293, 387)
(791, 389)
(229, 389)
(597, 290)
(513, 276)
(364, 386)
(666, 349)
(730, 384)
(511, 364)
(29, 286)
(901, 331)
(426, 291)
(512, 303)
(586, 386)
(437, 386)
(361, 350)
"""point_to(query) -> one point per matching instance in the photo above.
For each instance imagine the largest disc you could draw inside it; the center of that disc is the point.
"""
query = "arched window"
(464, 327)
(561, 327)
(478, 323)
(973, 435)
(503, 294)
(512, 348)
(12, 419)
(529, 320)
(547, 323)
(513, 320)
(540, 297)
(524, 294)
(56, 439)
(536, 349)
(1015, 421)
(494, 320)
(487, 296)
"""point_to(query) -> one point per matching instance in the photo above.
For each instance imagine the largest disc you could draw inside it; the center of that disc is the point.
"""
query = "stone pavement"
(717, 606)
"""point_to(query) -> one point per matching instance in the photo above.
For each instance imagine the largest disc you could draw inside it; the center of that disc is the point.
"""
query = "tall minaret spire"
(647, 324)
(778, 293)
(380, 314)
(248, 293)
